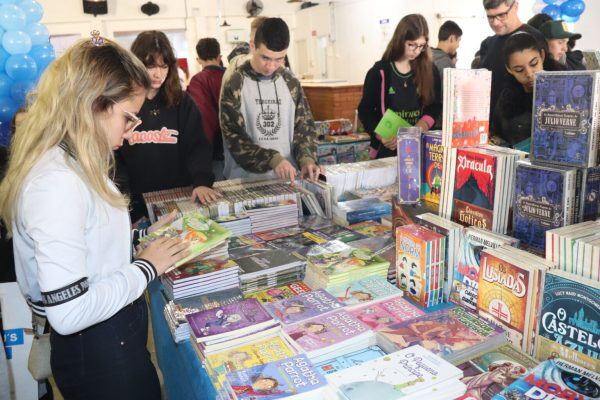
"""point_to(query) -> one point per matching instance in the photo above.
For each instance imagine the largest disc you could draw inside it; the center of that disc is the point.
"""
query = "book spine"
(579, 200)
(569, 197)
(595, 125)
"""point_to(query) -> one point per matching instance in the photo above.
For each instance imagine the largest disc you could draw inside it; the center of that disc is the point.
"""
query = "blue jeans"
(108, 360)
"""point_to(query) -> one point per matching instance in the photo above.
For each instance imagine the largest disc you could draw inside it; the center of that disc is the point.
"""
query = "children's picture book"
(197, 269)
(565, 118)
(412, 373)
(365, 290)
(340, 233)
(349, 360)
(280, 292)
(371, 229)
(381, 314)
(228, 318)
(276, 380)
(342, 263)
(554, 379)
(487, 374)
(303, 306)
(432, 164)
(201, 232)
(409, 168)
(569, 320)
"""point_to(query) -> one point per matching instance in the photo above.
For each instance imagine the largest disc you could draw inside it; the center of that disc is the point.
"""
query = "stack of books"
(381, 314)
(420, 264)
(413, 373)
(176, 310)
(509, 290)
(337, 232)
(247, 245)
(239, 224)
(231, 325)
(353, 211)
(329, 335)
(364, 291)
(336, 263)
(331, 127)
(272, 215)
(303, 306)
(371, 229)
(269, 269)
(385, 247)
(348, 360)
(323, 193)
(452, 333)
(361, 175)
(576, 249)
(279, 292)
(200, 277)
(292, 378)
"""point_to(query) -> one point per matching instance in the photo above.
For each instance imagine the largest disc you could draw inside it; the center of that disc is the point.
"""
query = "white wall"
(588, 26)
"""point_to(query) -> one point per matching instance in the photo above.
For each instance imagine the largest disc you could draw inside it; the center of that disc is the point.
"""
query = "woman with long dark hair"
(169, 148)
(523, 56)
(403, 81)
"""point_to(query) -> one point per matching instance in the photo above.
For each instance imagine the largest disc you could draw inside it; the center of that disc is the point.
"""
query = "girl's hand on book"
(389, 143)
(164, 252)
(162, 221)
(205, 195)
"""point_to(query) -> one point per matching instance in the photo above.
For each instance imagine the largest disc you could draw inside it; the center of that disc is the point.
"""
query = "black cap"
(557, 30)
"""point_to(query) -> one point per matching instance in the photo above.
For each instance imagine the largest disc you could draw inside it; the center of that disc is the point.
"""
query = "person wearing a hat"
(557, 36)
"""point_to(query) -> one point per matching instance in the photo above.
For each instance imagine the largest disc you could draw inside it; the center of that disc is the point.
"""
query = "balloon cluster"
(25, 51)
(565, 10)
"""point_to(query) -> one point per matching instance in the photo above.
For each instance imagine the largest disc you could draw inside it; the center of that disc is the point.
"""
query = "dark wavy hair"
(522, 40)
(148, 46)
(412, 27)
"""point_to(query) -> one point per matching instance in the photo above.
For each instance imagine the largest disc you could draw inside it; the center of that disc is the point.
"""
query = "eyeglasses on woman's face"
(132, 121)
(414, 46)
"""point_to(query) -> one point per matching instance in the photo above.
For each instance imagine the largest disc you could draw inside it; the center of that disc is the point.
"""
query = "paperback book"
(409, 168)
(280, 292)
(303, 306)
(381, 314)
(364, 291)
(431, 170)
(349, 360)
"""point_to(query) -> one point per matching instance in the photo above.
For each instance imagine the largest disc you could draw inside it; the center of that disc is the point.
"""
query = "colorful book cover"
(390, 123)
(279, 233)
(364, 290)
(489, 373)
(356, 260)
(384, 313)
(280, 292)
(569, 323)
(249, 355)
(413, 373)
(470, 92)
(409, 168)
(503, 296)
(443, 332)
(349, 360)
(276, 380)
(431, 170)
(190, 305)
(227, 318)
(554, 379)
(364, 209)
(371, 229)
(197, 269)
(264, 261)
(202, 233)
(325, 330)
(590, 200)
(243, 241)
(303, 306)
(563, 118)
(246, 251)
(474, 189)
(340, 233)
(292, 243)
(538, 204)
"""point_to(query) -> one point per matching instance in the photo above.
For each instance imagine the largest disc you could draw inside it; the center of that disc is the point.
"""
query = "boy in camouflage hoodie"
(265, 119)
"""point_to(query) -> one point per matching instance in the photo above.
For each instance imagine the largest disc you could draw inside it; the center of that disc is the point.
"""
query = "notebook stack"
(361, 175)
(269, 269)
(200, 277)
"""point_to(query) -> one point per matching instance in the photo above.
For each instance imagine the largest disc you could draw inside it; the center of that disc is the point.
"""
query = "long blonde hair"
(72, 94)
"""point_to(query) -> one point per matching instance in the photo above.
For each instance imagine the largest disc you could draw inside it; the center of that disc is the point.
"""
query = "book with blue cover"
(590, 194)
(565, 118)
(409, 168)
(569, 323)
(276, 380)
(432, 163)
(349, 360)
(544, 199)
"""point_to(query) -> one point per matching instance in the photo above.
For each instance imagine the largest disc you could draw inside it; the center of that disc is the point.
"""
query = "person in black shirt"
(405, 81)
(503, 19)
(168, 148)
(523, 57)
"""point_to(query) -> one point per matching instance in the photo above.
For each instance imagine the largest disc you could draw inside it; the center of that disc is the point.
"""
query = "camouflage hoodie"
(264, 120)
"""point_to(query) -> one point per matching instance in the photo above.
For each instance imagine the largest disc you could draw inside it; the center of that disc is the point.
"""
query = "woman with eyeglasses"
(524, 56)
(403, 81)
(71, 228)
(167, 147)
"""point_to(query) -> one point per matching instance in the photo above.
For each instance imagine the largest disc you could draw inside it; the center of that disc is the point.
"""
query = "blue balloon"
(19, 91)
(38, 33)
(12, 17)
(8, 1)
(21, 67)
(566, 18)
(32, 9)
(16, 42)
(43, 55)
(5, 85)
(553, 11)
(3, 57)
(8, 108)
(552, 1)
(572, 8)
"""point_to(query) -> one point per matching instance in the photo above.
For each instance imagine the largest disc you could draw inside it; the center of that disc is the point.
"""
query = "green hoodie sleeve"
(244, 151)
(305, 132)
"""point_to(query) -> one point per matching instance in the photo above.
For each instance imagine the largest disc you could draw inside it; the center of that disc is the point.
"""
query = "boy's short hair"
(208, 49)
(274, 34)
(448, 29)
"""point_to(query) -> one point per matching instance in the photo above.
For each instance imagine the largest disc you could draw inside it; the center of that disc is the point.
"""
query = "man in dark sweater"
(205, 88)
(504, 20)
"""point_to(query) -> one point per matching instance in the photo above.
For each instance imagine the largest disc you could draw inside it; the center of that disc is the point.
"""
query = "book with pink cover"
(325, 330)
(384, 313)
(216, 322)
(303, 306)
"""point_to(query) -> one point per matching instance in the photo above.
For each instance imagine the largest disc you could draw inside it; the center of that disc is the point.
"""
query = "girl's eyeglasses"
(132, 120)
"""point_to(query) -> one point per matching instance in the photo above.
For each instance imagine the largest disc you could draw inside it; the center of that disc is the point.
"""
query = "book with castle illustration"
(201, 232)
(303, 306)
(412, 373)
